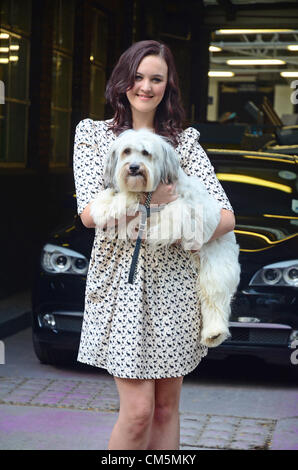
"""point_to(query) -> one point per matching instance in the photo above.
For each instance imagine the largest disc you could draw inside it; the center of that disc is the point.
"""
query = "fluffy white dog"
(138, 161)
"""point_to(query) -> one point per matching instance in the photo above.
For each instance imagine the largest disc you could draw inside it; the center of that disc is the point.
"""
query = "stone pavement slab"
(47, 413)
(286, 434)
(225, 432)
(78, 394)
(53, 428)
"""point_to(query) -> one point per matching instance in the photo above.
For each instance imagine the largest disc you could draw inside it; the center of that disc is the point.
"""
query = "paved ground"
(40, 412)
(223, 406)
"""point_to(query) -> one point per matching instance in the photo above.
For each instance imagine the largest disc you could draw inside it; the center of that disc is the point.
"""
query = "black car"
(263, 190)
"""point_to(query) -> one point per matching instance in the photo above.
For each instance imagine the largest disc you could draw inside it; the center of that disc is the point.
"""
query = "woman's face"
(150, 85)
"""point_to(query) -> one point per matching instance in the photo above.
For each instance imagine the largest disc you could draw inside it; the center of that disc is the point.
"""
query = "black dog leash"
(145, 213)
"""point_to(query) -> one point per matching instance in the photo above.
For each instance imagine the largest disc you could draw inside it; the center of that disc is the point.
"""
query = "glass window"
(3, 134)
(14, 76)
(16, 14)
(62, 81)
(97, 91)
(63, 24)
(60, 135)
(18, 54)
(17, 130)
(99, 38)
(62, 77)
(98, 60)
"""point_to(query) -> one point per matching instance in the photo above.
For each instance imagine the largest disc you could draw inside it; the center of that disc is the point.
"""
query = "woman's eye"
(138, 77)
(156, 80)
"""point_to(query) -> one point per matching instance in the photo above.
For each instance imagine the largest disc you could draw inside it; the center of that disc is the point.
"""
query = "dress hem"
(114, 374)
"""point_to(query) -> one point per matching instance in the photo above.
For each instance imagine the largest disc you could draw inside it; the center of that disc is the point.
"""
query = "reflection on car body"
(263, 190)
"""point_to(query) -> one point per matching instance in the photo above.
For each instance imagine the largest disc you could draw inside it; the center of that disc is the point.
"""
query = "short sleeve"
(195, 162)
(87, 164)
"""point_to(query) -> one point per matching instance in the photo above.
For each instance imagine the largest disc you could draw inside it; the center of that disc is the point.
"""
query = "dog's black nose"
(134, 167)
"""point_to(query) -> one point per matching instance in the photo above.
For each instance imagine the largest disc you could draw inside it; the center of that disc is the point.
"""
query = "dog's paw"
(131, 200)
(100, 207)
(123, 204)
(212, 337)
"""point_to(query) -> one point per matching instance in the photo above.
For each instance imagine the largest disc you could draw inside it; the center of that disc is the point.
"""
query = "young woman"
(147, 335)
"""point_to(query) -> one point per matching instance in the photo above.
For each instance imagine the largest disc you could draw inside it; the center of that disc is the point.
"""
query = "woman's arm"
(226, 224)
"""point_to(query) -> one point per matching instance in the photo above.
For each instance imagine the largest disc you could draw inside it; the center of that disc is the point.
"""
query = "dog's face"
(139, 161)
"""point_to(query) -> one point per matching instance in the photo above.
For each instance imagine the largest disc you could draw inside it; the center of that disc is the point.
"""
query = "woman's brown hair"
(169, 116)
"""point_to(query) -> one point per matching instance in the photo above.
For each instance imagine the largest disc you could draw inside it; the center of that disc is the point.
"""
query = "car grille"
(68, 323)
(259, 336)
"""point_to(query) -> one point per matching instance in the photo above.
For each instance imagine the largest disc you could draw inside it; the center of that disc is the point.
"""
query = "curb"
(13, 325)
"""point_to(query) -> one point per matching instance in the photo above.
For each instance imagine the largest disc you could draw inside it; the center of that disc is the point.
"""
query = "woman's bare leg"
(165, 430)
(132, 429)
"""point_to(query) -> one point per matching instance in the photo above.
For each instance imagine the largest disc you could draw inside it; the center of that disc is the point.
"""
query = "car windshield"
(259, 185)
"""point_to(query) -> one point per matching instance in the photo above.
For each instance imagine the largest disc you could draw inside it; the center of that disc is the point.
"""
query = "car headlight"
(58, 259)
(284, 273)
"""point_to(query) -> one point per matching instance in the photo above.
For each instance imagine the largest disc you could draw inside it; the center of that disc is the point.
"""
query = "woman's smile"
(144, 97)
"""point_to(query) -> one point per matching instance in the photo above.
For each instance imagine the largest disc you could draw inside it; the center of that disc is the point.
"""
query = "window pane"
(60, 136)
(63, 24)
(62, 78)
(20, 14)
(16, 14)
(14, 66)
(4, 62)
(99, 39)
(97, 90)
(18, 55)
(4, 11)
(2, 133)
(67, 23)
(17, 117)
(102, 34)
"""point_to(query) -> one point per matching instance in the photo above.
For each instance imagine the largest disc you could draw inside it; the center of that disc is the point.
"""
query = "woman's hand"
(163, 194)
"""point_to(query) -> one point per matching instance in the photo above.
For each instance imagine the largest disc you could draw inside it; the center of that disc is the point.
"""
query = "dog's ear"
(109, 173)
(170, 164)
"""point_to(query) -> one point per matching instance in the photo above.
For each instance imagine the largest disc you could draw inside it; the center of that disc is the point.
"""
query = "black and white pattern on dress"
(149, 329)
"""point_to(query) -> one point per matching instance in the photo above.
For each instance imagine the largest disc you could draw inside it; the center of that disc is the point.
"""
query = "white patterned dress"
(149, 329)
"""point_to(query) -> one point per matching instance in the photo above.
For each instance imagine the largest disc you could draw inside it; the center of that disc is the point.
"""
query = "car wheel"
(48, 355)
(44, 353)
